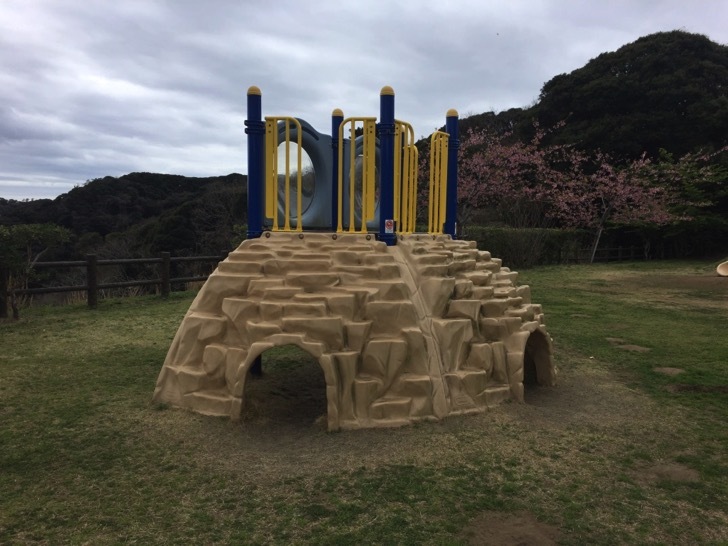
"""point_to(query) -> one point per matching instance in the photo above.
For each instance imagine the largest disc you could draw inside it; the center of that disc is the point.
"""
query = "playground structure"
(406, 326)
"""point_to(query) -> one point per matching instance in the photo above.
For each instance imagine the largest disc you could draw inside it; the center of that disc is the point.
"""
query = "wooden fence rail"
(92, 265)
(615, 254)
(92, 286)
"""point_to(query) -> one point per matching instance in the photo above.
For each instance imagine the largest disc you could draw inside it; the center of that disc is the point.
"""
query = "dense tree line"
(139, 214)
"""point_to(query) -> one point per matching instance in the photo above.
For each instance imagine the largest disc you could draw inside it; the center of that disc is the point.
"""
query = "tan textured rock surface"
(424, 329)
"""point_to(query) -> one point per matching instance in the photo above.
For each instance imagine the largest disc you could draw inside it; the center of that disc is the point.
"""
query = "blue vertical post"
(337, 116)
(451, 207)
(386, 173)
(255, 129)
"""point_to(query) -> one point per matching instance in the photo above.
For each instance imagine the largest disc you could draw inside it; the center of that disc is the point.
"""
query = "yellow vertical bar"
(443, 179)
(352, 174)
(413, 203)
(364, 198)
(397, 183)
(407, 193)
(287, 180)
(413, 186)
(412, 181)
(364, 177)
(340, 224)
(299, 186)
(371, 146)
(269, 199)
(406, 181)
(274, 174)
(443, 175)
(272, 153)
(438, 219)
(431, 200)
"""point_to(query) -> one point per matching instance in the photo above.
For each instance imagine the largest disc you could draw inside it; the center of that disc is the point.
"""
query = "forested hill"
(141, 213)
(667, 90)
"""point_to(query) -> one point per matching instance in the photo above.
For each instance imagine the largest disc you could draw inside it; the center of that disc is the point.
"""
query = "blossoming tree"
(529, 184)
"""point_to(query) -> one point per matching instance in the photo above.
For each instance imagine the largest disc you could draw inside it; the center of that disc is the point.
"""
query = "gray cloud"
(105, 88)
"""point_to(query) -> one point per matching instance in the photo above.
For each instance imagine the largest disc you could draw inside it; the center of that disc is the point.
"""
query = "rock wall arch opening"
(537, 368)
(289, 389)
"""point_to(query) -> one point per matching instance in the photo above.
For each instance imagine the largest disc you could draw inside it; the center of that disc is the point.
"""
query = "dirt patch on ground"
(634, 348)
(709, 282)
(669, 371)
(707, 290)
(667, 471)
(622, 344)
(708, 389)
(502, 529)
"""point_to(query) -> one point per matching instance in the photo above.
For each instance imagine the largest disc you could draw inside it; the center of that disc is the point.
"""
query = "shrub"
(528, 247)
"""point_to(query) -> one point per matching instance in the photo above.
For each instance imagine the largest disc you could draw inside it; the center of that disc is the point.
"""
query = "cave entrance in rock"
(289, 389)
(537, 361)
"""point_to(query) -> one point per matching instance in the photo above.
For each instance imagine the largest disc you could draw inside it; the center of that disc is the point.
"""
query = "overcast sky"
(93, 88)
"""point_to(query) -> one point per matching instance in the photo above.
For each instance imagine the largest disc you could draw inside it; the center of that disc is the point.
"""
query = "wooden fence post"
(4, 273)
(92, 280)
(164, 274)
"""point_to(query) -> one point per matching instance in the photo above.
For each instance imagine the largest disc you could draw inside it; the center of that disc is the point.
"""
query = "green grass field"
(631, 447)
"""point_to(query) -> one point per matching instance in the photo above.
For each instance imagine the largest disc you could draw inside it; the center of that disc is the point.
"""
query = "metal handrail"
(271, 169)
(368, 173)
(438, 181)
(405, 177)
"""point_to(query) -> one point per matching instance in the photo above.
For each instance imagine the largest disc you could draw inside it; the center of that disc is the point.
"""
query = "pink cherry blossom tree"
(530, 184)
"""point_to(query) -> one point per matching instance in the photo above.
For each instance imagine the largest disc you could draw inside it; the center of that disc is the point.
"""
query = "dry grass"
(610, 455)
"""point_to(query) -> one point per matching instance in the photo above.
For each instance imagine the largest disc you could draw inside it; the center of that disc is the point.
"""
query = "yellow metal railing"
(368, 173)
(272, 175)
(438, 181)
(405, 177)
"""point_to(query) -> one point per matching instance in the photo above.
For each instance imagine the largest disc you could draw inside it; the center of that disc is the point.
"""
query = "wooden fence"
(615, 254)
(92, 264)
(92, 287)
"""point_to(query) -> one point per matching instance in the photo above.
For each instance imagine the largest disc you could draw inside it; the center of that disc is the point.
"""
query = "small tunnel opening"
(536, 362)
(288, 388)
